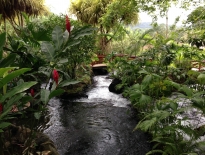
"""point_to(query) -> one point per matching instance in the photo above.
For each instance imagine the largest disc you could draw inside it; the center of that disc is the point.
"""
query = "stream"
(100, 124)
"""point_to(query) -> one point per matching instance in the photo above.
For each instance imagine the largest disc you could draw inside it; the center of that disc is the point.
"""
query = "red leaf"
(55, 76)
(1, 108)
(68, 26)
(32, 92)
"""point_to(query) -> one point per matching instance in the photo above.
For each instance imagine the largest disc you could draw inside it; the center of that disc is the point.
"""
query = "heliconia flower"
(32, 92)
(1, 107)
(68, 26)
(55, 76)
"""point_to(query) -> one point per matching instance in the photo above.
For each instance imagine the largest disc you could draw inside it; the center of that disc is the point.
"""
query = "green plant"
(15, 96)
(66, 50)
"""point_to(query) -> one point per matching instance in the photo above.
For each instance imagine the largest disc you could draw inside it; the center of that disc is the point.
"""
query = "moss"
(79, 87)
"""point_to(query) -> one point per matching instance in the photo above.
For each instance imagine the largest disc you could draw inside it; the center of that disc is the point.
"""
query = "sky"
(61, 6)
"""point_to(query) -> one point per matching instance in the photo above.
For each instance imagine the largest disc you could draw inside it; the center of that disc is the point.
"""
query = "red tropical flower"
(55, 76)
(32, 92)
(1, 108)
(68, 26)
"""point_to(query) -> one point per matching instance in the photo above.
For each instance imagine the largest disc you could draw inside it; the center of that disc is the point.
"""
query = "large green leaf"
(73, 42)
(67, 83)
(187, 90)
(10, 103)
(57, 37)
(12, 75)
(49, 50)
(146, 125)
(56, 93)
(63, 60)
(147, 79)
(45, 96)
(8, 61)
(4, 125)
(84, 31)
(5, 70)
(145, 99)
(65, 36)
(14, 99)
(17, 89)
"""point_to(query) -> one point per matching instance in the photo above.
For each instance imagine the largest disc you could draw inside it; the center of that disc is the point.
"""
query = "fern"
(146, 125)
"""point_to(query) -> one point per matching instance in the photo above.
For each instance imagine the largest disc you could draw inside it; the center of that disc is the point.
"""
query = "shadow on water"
(93, 126)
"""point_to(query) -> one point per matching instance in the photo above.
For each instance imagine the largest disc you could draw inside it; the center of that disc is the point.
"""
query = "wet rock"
(112, 86)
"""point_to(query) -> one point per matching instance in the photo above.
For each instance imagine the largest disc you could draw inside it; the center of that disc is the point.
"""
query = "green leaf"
(62, 61)
(146, 125)
(147, 79)
(49, 50)
(56, 93)
(9, 60)
(41, 35)
(13, 99)
(65, 36)
(145, 99)
(37, 115)
(201, 78)
(5, 70)
(45, 96)
(156, 151)
(187, 90)
(84, 31)
(73, 42)
(12, 75)
(160, 114)
(57, 37)
(174, 84)
(173, 105)
(67, 83)
(17, 89)
(143, 72)
(4, 125)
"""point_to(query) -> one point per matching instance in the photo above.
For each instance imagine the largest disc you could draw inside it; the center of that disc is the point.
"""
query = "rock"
(112, 86)
(44, 144)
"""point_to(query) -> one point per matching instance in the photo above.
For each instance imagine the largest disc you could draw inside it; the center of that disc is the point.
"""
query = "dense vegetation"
(37, 47)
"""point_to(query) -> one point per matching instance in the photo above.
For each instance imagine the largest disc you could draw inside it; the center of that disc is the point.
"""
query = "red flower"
(67, 23)
(32, 92)
(1, 108)
(55, 76)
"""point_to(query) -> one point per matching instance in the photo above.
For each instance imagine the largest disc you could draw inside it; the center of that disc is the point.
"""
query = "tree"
(107, 15)
(196, 28)
(197, 18)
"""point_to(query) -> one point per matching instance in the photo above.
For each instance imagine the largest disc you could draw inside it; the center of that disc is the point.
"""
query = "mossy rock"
(78, 89)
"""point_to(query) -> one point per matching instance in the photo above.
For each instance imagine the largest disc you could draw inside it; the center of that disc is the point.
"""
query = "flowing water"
(101, 124)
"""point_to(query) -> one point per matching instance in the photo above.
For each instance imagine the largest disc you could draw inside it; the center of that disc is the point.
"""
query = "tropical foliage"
(161, 85)
(41, 57)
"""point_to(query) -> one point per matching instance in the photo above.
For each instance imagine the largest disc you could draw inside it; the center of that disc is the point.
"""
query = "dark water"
(101, 124)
